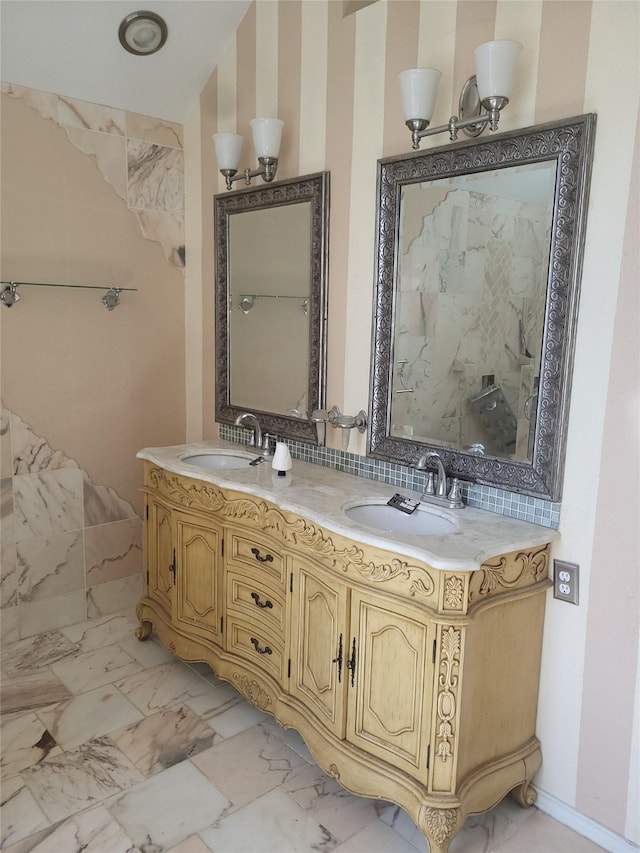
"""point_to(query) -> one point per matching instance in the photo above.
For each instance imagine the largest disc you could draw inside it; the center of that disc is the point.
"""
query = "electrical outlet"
(565, 581)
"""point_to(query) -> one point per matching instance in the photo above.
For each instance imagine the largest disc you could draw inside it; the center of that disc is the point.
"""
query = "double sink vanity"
(405, 649)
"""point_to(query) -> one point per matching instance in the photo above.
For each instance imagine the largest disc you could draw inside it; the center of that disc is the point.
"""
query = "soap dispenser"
(281, 459)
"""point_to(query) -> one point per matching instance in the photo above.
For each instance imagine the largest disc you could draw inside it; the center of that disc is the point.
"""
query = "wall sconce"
(267, 133)
(482, 98)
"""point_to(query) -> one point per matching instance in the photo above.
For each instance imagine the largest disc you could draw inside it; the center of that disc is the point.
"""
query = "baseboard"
(592, 830)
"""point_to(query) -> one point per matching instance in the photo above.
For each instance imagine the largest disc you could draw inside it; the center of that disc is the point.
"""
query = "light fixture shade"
(228, 150)
(267, 133)
(495, 66)
(418, 87)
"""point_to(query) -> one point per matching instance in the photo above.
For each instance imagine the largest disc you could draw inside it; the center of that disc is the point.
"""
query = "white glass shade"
(267, 133)
(418, 87)
(228, 149)
(495, 66)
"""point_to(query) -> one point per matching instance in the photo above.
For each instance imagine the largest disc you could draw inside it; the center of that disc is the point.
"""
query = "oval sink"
(387, 519)
(218, 460)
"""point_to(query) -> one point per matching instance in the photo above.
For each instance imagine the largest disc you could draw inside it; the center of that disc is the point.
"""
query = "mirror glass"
(271, 258)
(478, 263)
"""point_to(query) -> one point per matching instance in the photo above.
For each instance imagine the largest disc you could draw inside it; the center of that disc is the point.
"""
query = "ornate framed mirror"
(478, 264)
(271, 303)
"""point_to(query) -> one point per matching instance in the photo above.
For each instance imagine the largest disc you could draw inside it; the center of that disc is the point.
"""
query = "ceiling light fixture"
(482, 98)
(142, 33)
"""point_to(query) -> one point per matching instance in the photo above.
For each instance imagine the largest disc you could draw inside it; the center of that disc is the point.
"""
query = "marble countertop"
(321, 495)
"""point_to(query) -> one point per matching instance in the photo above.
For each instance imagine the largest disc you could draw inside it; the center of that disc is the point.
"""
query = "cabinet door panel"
(197, 577)
(159, 553)
(390, 700)
(319, 646)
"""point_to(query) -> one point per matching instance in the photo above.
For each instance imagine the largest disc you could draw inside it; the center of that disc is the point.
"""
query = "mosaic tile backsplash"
(535, 510)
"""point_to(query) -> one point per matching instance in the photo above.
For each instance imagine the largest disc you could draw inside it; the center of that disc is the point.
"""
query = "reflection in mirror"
(472, 276)
(269, 289)
(271, 258)
(479, 255)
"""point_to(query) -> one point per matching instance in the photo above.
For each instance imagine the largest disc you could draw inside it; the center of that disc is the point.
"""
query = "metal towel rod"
(9, 294)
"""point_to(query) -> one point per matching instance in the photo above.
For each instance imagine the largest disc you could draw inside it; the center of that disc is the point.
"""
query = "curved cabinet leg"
(144, 628)
(524, 795)
(439, 826)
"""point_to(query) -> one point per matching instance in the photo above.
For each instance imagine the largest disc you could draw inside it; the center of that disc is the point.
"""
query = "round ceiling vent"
(142, 33)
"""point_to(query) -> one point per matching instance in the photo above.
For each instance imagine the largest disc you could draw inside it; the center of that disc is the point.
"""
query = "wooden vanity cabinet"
(408, 683)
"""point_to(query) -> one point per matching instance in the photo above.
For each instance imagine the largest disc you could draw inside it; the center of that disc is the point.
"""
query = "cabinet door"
(160, 556)
(198, 575)
(390, 650)
(319, 645)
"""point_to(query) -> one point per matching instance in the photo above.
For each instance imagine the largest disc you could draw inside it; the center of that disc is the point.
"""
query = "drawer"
(256, 552)
(258, 603)
(254, 644)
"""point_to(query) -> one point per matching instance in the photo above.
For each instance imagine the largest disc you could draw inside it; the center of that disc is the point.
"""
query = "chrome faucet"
(440, 493)
(250, 421)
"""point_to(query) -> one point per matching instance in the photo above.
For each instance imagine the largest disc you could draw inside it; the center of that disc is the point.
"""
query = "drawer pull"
(259, 603)
(266, 559)
(265, 651)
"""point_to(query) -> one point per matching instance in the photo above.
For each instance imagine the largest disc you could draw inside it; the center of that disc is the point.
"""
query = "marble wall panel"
(31, 453)
(55, 612)
(103, 505)
(154, 130)
(47, 502)
(167, 229)
(113, 551)
(156, 176)
(74, 113)
(50, 566)
(110, 153)
(8, 575)
(114, 596)
(6, 467)
(7, 524)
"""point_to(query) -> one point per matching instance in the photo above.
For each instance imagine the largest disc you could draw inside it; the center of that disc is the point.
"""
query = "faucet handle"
(268, 444)
(430, 488)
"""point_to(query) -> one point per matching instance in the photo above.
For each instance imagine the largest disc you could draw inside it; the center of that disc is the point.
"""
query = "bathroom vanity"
(408, 663)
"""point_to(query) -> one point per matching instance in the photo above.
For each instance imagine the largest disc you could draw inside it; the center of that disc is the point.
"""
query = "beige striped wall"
(332, 79)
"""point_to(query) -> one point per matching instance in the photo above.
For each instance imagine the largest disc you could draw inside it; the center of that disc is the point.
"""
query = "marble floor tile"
(163, 686)
(21, 815)
(29, 692)
(342, 813)
(291, 737)
(92, 669)
(36, 652)
(164, 810)
(25, 742)
(237, 719)
(148, 653)
(8, 575)
(104, 631)
(164, 739)
(270, 824)
(218, 698)
(192, 844)
(542, 833)
(89, 715)
(92, 831)
(376, 838)
(80, 777)
(248, 765)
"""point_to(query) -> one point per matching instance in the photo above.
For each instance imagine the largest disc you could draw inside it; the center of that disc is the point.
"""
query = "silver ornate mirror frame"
(315, 189)
(570, 144)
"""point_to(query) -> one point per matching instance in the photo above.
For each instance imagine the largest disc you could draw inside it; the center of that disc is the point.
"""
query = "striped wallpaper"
(332, 79)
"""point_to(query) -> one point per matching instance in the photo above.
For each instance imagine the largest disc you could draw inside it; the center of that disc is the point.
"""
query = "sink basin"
(218, 459)
(387, 519)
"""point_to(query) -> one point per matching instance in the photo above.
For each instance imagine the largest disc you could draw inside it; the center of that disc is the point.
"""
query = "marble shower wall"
(140, 157)
(70, 548)
(471, 306)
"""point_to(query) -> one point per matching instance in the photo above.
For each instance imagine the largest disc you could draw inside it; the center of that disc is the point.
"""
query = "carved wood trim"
(252, 691)
(508, 572)
(453, 593)
(298, 532)
(440, 824)
(449, 664)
